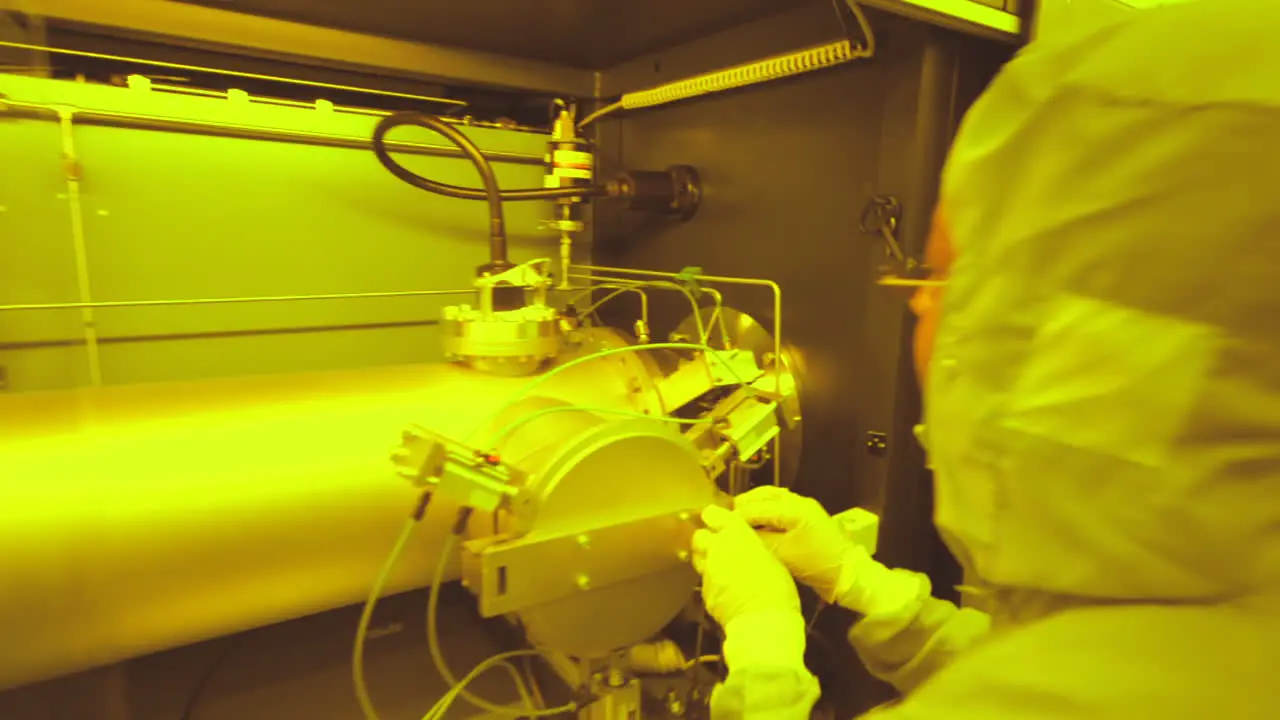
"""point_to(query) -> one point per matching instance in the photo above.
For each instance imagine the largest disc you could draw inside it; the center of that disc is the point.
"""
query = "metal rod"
(777, 326)
(71, 170)
(251, 132)
(231, 73)
(909, 283)
(215, 334)
(223, 301)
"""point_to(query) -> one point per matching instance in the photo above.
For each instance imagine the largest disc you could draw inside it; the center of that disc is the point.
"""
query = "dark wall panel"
(787, 168)
(582, 33)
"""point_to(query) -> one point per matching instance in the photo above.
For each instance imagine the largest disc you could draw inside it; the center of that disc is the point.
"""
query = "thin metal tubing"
(777, 324)
(157, 122)
(223, 301)
(617, 289)
(716, 319)
(661, 284)
(231, 73)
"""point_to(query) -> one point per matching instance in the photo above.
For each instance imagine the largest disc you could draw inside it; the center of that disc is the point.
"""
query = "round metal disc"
(611, 475)
(737, 330)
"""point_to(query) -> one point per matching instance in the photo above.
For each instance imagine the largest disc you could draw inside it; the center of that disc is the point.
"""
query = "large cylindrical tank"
(139, 518)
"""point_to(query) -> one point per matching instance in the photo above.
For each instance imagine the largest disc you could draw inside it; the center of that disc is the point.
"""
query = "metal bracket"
(732, 367)
(531, 274)
(751, 425)
(509, 575)
(877, 443)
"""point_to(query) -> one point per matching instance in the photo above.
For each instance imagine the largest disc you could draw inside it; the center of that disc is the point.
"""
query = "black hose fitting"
(454, 191)
(420, 510)
(460, 524)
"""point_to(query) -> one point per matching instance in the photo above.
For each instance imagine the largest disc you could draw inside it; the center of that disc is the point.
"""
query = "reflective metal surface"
(139, 518)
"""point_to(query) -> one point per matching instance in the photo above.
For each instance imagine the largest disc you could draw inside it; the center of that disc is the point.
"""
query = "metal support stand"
(619, 700)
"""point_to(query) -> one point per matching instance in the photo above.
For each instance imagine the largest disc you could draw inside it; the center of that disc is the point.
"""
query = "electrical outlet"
(877, 443)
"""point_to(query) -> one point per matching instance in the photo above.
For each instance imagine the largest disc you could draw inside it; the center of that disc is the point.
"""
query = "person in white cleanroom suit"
(1102, 405)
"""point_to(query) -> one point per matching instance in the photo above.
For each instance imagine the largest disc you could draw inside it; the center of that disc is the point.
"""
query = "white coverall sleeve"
(904, 646)
(767, 677)
(765, 693)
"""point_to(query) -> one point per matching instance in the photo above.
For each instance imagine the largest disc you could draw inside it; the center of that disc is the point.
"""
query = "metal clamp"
(471, 478)
(881, 216)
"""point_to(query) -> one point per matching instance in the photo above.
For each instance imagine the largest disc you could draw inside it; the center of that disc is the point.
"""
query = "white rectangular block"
(861, 526)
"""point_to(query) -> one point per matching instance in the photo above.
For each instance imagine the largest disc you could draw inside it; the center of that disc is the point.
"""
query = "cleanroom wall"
(211, 210)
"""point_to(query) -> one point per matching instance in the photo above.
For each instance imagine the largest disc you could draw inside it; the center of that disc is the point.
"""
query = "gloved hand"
(739, 574)
(811, 544)
(748, 591)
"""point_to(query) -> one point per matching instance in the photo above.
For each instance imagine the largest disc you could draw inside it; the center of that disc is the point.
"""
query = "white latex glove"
(813, 546)
(748, 591)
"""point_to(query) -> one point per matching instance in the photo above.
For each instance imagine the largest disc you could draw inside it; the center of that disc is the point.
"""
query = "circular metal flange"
(611, 476)
(515, 342)
(737, 330)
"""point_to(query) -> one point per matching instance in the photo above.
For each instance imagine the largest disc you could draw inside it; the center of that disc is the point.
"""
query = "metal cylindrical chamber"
(593, 553)
(138, 518)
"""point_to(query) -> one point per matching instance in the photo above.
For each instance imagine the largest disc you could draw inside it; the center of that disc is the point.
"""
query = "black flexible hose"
(461, 193)
(497, 226)
(490, 192)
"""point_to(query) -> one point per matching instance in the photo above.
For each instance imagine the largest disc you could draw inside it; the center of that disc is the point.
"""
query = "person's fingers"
(771, 539)
(779, 514)
(765, 493)
(700, 545)
(716, 517)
